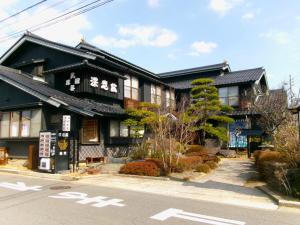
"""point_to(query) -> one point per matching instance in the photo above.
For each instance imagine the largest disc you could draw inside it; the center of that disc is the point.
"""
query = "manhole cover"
(60, 187)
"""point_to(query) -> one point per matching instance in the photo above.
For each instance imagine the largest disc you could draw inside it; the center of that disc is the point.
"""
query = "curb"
(280, 200)
(143, 177)
(40, 175)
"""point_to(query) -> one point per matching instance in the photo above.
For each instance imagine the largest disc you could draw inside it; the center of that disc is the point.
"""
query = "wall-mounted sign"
(66, 123)
(72, 81)
(104, 85)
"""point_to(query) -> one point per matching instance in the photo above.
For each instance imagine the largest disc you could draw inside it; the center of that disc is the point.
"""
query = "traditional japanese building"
(41, 81)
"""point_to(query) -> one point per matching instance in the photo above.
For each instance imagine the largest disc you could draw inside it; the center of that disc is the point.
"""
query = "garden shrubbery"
(143, 168)
(212, 165)
(203, 168)
(187, 163)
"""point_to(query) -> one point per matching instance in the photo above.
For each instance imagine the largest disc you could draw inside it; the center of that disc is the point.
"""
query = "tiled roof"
(86, 46)
(242, 76)
(275, 95)
(84, 63)
(55, 97)
(219, 66)
(237, 77)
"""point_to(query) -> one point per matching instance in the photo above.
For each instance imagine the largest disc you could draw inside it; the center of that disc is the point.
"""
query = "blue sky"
(165, 35)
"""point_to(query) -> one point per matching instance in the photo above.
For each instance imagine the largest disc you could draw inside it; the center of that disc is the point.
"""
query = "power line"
(48, 7)
(23, 10)
(75, 12)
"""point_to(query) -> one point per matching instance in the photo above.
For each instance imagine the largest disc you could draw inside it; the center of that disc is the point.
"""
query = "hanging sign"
(104, 85)
(72, 81)
(66, 123)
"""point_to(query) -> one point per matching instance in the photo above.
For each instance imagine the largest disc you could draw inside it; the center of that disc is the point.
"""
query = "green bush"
(141, 168)
(140, 151)
(212, 165)
(203, 168)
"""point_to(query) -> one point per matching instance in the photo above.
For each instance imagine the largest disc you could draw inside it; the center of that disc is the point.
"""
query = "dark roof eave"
(83, 64)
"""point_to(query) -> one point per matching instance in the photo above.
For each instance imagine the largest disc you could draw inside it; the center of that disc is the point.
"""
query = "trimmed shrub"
(203, 168)
(212, 165)
(262, 157)
(213, 158)
(159, 163)
(197, 148)
(187, 163)
(141, 168)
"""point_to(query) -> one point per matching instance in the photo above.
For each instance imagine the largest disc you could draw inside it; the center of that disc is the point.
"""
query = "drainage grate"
(60, 187)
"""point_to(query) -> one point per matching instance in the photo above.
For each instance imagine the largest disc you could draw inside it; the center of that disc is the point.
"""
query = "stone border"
(73, 177)
(40, 174)
(280, 200)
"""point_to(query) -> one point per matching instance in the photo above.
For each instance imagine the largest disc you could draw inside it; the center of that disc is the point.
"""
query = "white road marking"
(20, 186)
(99, 201)
(178, 213)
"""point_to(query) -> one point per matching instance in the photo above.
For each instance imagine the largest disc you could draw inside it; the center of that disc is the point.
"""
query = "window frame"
(170, 100)
(155, 96)
(129, 131)
(82, 140)
(131, 79)
(20, 122)
(225, 100)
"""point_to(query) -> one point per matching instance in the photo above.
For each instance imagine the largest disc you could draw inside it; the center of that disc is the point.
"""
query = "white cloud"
(280, 37)
(138, 35)
(223, 6)
(248, 16)
(153, 3)
(202, 47)
(68, 31)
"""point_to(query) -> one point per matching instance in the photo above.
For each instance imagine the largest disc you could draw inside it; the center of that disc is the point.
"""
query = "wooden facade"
(94, 77)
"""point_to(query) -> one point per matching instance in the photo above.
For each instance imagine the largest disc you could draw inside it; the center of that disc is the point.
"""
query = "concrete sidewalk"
(224, 185)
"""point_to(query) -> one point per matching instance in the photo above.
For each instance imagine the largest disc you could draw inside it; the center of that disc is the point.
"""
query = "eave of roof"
(84, 63)
(229, 79)
(56, 98)
(87, 46)
(202, 69)
(44, 42)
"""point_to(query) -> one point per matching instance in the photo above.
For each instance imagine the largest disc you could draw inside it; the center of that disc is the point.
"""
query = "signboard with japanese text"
(95, 82)
(66, 123)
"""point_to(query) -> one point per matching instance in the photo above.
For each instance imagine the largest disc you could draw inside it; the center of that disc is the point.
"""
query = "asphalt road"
(32, 201)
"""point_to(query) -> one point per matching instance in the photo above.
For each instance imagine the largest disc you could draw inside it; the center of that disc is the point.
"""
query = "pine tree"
(207, 109)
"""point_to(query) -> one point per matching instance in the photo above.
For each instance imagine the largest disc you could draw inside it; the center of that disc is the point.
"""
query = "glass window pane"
(90, 131)
(127, 82)
(135, 82)
(14, 124)
(137, 131)
(222, 92)
(127, 92)
(25, 123)
(158, 90)
(4, 125)
(36, 122)
(114, 128)
(153, 91)
(223, 101)
(135, 94)
(158, 100)
(168, 94)
(153, 98)
(172, 95)
(233, 91)
(233, 101)
(123, 130)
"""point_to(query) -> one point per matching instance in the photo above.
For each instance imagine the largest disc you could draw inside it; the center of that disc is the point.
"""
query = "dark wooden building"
(41, 80)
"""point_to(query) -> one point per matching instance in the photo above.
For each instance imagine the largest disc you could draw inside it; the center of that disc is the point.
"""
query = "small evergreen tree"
(207, 109)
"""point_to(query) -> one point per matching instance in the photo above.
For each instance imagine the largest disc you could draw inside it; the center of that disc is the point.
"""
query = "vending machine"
(54, 151)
